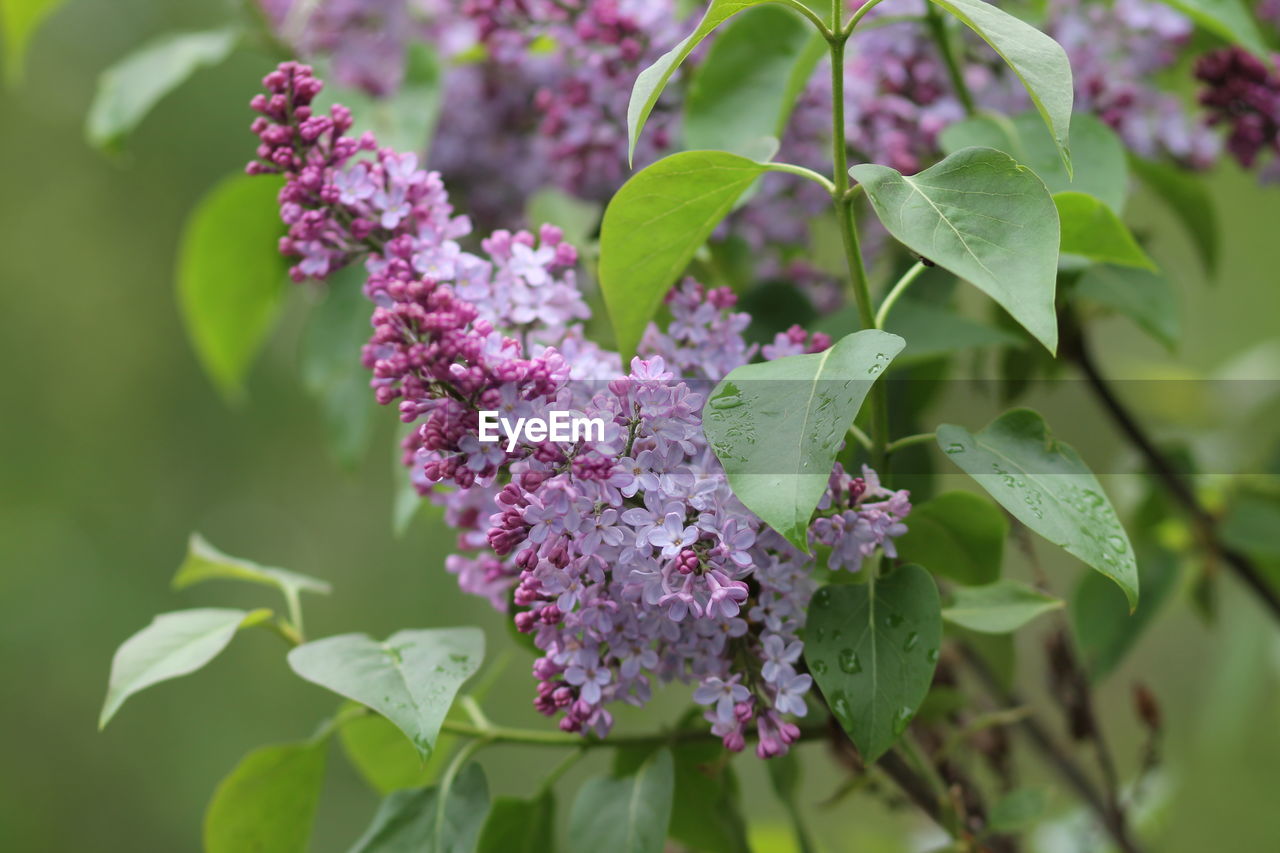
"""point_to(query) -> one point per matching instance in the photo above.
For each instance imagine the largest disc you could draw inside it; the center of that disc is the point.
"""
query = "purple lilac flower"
(1243, 93)
(626, 556)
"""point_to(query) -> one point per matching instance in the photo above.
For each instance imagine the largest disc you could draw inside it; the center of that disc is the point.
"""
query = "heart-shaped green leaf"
(1038, 60)
(777, 426)
(231, 276)
(624, 815)
(959, 535)
(872, 648)
(998, 608)
(416, 821)
(655, 223)
(268, 802)
(519, 826)
(1047, 487)
(1101, 165)
(1144, 297)
(1092, 230)
(174, 644)
(984, 217)
(411, 679)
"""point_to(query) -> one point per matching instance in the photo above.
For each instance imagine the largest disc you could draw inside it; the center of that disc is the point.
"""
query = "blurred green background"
(115, 447)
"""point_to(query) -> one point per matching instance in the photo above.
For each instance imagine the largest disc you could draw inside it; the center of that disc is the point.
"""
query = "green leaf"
(1185, 196)
(624, 815)
(931, 331)
(1092, 230)
(1252, 523)
(982, 216)
(748, 82)
(655, 223)
(331, 370)
(519, 826)
(268, 802)
(410, 679)
(1017, 810)
(1039, 61)
(651, 81)
(130, 88)
(998, 608)
(1144, 297)
(1101, 168)
(409, 821)
(959, 535)
(20, 19)
(206, 563)
(388, 762)
(704, 812)
(1045, 485)
(174, 644)
(776, 426)
(1228, 19)
(872, 648)
(784, 778)
(1104, 627)
(231, 276)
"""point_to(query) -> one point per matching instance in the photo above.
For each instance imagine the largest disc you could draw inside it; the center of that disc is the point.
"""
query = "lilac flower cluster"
(626, 556)
(1244, 94)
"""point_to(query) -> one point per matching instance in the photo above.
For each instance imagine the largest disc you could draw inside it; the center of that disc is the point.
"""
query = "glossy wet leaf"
(872, 649)
(998, 608)
(1101, 168)
(652, 80)
(337, 327)
(1105, 630)
(958, 535)
(19, 20)
(776, 426)
(129, 89)
(1045, 485)
(655, 223)
(231, 276)
(628, 814)
(984, 217)
(1038, 60)
(1228, 19)
(1146, 298)
(268, 802)
(1092, 230)
(519, 826)
(413, 821)
(174, 644)
(746, 85)
(411, 678)
(1185, 196)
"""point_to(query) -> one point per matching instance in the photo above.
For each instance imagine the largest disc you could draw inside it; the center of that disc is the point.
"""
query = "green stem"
(898, 289)
(938, 29)
(909, 441)
(538, 737)
(849, 236)
(559, 770)
(807, 13)
(857, 16)
(802, 172)
(860, 436)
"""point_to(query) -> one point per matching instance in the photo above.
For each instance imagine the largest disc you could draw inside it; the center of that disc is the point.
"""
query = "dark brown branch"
(1112, 818)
